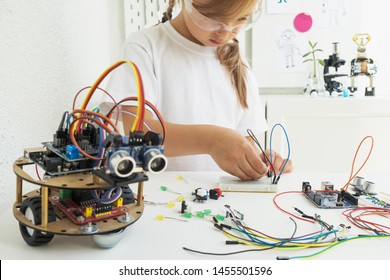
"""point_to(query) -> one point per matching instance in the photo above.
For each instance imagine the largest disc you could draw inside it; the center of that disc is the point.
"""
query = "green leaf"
(307, 60)
(320, 61)
(306, 54)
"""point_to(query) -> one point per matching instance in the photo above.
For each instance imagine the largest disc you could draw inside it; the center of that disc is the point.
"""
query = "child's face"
(214, 31)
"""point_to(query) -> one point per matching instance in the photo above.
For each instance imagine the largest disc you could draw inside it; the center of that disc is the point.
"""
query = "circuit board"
(86, 211)
(55, 162)
(331, 199)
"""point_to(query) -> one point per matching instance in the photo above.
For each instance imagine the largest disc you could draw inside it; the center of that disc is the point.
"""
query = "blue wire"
(288, 146)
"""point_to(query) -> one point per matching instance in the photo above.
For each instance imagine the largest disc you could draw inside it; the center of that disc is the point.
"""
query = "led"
(187, 215)
(219, 217)
(200, 215)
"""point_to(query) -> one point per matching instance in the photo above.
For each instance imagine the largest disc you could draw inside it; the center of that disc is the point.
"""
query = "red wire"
(106, 119)
(36, 170)
(155, 110)
(72, 135)
(289, 213)
(368, 211)
(88, 87)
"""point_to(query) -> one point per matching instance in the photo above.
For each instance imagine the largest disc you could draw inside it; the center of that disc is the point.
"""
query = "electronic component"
(201, 194)
(233, 184)
(327, 197)
(215, 193)
(361, 186)
(88, 168)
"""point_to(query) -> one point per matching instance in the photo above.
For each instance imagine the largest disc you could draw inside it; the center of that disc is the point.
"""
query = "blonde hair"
(228, 54)
(167, 15)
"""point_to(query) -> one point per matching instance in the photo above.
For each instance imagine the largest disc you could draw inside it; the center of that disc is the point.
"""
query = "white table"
(151, 239)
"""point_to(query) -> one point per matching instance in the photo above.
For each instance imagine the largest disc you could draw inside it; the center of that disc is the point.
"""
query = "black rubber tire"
(31, 236)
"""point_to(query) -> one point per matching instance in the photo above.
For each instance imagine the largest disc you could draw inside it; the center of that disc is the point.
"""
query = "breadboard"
(233, 184)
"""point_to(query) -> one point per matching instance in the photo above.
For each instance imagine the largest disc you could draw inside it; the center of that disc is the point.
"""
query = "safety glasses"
(211, 25)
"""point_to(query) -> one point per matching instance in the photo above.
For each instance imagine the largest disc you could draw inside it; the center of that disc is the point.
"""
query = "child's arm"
(229, 149)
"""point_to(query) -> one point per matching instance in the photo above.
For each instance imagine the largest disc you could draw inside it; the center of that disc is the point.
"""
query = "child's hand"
(236, 155)
(278, 161)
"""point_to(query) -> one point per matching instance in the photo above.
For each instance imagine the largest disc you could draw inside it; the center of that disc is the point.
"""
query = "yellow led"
(160, 217)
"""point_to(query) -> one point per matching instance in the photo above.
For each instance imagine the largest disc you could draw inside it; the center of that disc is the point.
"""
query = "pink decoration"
(303, 22)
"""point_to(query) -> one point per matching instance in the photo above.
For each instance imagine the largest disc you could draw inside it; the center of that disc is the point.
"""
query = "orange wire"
(352, 176)
(138, 124)
(73, 139)
(80, 111)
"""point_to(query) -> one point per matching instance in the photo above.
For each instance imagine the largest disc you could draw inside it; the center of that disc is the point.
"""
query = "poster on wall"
(333, 13)
(289, 48)
(282, 6)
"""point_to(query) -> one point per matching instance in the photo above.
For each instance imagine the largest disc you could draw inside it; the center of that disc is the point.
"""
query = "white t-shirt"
(188, 85)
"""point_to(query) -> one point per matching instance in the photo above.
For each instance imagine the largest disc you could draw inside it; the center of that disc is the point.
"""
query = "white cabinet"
(324, 133)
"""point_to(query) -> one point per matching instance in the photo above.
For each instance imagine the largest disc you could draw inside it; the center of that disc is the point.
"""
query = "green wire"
(338, 243)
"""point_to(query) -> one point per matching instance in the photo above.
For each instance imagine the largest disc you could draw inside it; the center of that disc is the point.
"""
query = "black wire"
(229, 253)
(61, 125)
(244, 251)
(254, 138)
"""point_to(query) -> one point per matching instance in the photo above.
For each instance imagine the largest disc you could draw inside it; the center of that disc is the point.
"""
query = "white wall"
(49, 49)
(363, 16)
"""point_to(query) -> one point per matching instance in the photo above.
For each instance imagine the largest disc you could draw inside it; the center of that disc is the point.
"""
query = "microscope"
(331, 85)
(362, 65)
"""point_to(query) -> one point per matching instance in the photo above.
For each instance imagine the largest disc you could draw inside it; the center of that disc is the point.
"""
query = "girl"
(193, 73)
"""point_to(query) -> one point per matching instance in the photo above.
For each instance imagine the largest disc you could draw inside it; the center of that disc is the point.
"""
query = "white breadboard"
(233, 184)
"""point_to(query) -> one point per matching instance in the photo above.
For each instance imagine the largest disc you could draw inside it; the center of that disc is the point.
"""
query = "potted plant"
(313, 84)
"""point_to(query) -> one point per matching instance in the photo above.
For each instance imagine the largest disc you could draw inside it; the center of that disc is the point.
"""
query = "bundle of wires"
(327, 237)
(139, 120)
(107, 196)
(79, 118)
(240, 233)
(358, 217)
(354, 215)
(149, 104)
(276, 177)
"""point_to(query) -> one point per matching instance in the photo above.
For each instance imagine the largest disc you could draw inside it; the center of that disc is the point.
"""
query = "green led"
(163, 188)
(187, 215)
(200, 215)
(220, 217)
(207, 211)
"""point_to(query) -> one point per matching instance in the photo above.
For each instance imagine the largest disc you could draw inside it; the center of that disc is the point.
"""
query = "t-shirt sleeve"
(254, 116)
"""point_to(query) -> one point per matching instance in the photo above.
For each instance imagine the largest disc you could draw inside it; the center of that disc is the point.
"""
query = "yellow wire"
(296, 246)
(103, 75)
